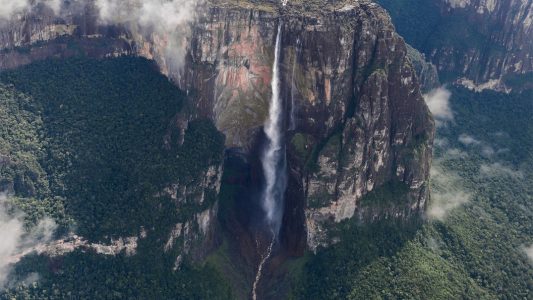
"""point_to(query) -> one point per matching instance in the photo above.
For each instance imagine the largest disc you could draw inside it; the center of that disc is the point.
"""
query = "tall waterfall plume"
(273, 158)
(274, 166)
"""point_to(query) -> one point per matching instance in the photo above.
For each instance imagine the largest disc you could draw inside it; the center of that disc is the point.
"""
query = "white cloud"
(503, 150)
(455, 153)
(497, 169)
(54, 4)
(529, 252)
(438, 101)
(433, 244)
(500, 134)
(468, 140)
(447, 192)
(16, 240)
(487, 151)
(8, 8)
(441, 142)
(162, 21)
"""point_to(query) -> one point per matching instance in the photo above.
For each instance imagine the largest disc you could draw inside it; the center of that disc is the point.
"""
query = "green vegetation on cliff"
(93, 143)
(94, 137)
(480, 219)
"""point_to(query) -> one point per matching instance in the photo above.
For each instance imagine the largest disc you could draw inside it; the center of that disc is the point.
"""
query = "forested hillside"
(480, 222)
(92, 143)
(298, 162)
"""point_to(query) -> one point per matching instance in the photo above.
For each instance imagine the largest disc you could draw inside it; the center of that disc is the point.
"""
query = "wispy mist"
(163, 22)
(468, 140)
(447, 192)
(499, 170)
(529, 252)
(438, 101)
(16, 239)
(486, 150)
(9, 8)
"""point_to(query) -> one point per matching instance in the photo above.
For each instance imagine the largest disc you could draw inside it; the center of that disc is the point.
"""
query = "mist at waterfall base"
(273, 158)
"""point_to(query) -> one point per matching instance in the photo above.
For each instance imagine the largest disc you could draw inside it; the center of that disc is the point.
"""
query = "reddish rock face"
(358, 107)
(360, 122)
(239, 59)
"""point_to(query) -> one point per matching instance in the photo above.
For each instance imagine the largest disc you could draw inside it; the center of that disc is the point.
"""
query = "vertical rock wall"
(360, 121)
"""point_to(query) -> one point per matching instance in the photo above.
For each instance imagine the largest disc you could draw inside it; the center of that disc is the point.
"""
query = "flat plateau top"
(301, 7)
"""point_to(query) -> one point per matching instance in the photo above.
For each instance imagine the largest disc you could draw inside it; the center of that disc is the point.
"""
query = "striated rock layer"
(507, 29)
(359, 134)
(483, 43)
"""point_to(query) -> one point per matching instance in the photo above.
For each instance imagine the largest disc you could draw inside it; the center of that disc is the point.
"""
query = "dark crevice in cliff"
(292, 234)
(238, 209)
(241, 221)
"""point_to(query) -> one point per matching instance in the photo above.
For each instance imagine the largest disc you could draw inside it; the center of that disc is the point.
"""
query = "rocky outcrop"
(479, 41)
(359, 115)
(427, 73)
(40, 34)
(355, 118)
(128, 246)
(359, 109)
(507, 26)
(194, 236)
(376, 128)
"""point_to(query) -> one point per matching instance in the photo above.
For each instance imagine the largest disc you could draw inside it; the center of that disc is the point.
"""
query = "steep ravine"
(355, 121)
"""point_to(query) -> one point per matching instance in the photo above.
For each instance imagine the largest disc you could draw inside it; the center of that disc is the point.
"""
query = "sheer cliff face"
(507, 27)
(359, 120)
(482, 41)
(356, 122)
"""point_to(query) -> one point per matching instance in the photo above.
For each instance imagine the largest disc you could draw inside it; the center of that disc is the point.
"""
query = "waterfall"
(264, 258)
(273, 157)
(274, 166)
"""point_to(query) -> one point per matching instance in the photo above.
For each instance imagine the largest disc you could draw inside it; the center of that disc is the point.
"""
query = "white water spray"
(273, 158)
(274, 167)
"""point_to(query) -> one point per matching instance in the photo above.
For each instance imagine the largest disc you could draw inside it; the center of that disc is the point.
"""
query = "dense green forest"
(83, 141)
(483, 161)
